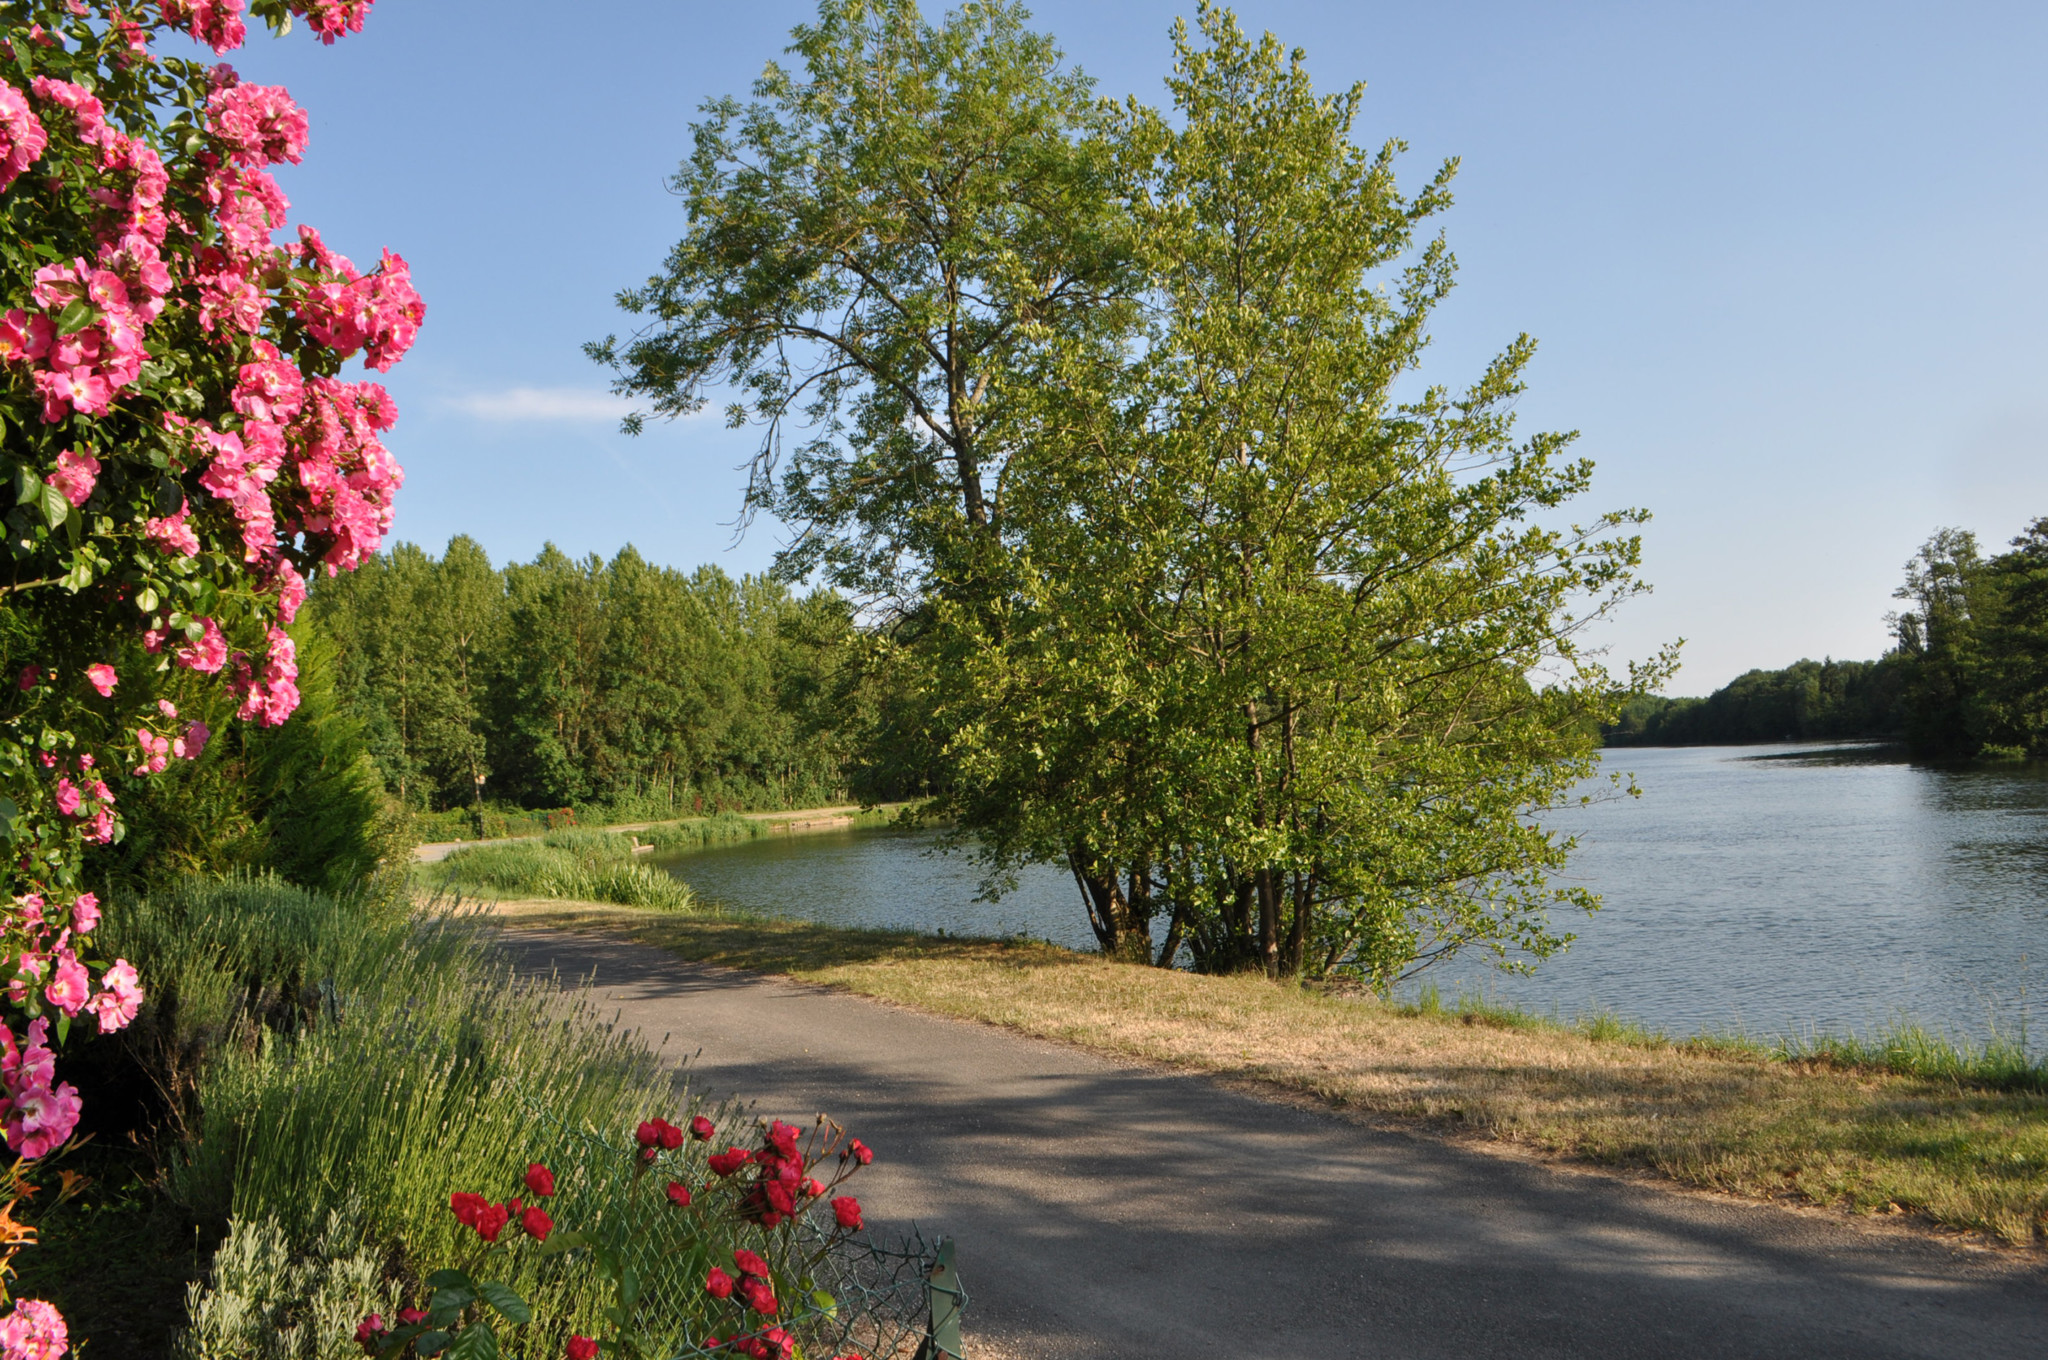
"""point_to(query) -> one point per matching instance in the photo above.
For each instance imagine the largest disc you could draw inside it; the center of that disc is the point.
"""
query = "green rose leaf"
(506, 1301)
(477, 1342)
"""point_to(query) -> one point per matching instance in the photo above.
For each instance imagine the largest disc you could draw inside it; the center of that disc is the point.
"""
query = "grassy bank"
(460, 824)
(611, 866)
(1909, 1127)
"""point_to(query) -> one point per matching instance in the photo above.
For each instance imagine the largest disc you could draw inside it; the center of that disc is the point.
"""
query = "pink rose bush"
(184, 448)
(754, 1294)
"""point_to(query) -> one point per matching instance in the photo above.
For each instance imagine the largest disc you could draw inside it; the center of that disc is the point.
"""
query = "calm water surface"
(1778, 890)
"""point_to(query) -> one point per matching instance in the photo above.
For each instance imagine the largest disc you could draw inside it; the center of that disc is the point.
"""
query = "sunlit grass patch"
(594, 866)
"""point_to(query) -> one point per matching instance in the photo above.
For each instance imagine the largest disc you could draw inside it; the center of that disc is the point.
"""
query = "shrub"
(271, 1301)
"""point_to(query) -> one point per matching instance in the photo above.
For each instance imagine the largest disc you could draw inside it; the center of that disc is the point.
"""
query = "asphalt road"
(1111, 1211)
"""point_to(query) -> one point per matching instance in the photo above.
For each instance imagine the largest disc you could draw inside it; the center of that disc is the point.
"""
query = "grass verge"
(1832, 1125)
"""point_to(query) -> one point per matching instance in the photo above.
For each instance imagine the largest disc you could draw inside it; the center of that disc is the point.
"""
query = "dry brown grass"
(1951, 1154)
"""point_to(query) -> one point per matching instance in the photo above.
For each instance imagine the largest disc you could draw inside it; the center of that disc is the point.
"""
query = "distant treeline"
(1967, 676)
(1804, 701)
(561, 682)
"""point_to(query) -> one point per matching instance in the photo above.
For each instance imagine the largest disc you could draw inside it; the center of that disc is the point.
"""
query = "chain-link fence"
(860, 1294)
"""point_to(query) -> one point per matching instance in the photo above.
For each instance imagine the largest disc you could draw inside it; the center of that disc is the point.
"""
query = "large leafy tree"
(1268, 674)
(1104, 401)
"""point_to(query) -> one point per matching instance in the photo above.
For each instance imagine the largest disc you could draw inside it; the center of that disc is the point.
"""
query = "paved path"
(1107, 1211)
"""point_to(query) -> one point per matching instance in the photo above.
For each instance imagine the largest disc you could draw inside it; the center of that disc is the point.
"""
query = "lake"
(1772, 889)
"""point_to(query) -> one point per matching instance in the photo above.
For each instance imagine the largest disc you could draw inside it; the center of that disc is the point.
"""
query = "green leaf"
(506, 1301)
(560, 1241)
(629, 1289)
(431, 1343)
(457, 1297)
(146, 600)
(63, 1028)
(27, 486)
(53, 505)
(477, 1342)
(76, 317)
(827, 1305)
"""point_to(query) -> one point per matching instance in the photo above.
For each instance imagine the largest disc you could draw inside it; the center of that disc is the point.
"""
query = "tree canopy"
(1197, 592)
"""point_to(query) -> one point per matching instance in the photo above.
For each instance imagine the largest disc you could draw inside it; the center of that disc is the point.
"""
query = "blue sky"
(1786, 263)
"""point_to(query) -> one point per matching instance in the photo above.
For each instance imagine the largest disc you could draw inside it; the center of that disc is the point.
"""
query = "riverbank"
(1936, 1151)
(839, 817)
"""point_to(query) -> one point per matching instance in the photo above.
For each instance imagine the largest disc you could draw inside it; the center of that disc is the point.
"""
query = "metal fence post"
(942, 1291)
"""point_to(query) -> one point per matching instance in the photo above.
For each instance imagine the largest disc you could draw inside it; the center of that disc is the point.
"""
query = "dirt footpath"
(1117, 1212)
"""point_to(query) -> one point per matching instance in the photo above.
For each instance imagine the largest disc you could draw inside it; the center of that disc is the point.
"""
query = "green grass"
(594, 865)
(1903, 1048)
(591, 866)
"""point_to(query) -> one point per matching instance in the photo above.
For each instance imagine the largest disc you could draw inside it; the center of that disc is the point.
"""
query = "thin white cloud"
(543, 403)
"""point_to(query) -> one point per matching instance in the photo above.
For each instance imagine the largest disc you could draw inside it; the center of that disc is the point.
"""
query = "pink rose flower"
(41, 1118)
(102, 678)
(75, 476)
(120, 997)
(70, 984)
(85, 913)
(208, 654)
(34, 1331)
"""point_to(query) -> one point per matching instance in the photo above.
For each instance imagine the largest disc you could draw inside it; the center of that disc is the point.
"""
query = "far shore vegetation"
(1967, 679)
(1903, 1123)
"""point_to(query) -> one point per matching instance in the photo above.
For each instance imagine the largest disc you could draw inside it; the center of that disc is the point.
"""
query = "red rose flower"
(582, 1348)
(467, 1207)
(759, 1295)
(491, 1221)
(537, 1223)
(718, 1284)
(728, 1161)
(780, 1198)
(782, 1137)
(368, 1330)
(814, 1187)
(859, 1151)
(648, 1134)
(671, 1136)
(701, 1129)
(678, 1194)
(540, 1180)
(750, 1263)
(780, 1344)
(408, 1316)
(847, 1210)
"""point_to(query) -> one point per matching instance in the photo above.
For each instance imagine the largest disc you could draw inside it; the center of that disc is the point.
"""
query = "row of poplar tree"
(563, 681)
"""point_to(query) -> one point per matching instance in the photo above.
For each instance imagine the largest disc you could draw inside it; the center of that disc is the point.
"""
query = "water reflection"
(1768, 889)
